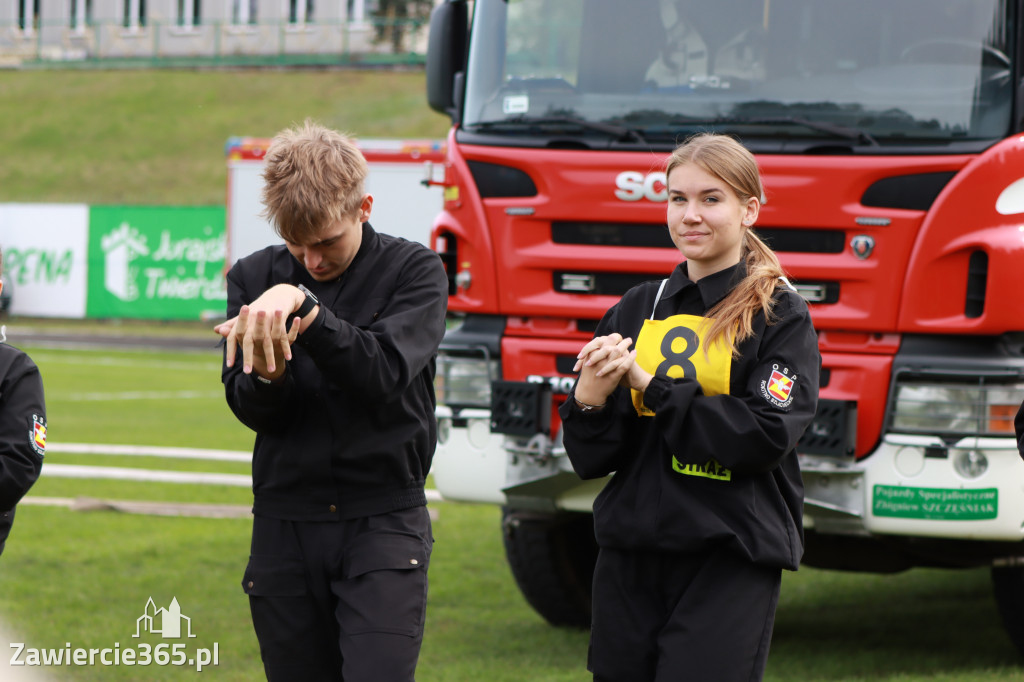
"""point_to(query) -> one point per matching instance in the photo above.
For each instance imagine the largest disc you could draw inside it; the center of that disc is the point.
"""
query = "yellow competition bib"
(674, 348)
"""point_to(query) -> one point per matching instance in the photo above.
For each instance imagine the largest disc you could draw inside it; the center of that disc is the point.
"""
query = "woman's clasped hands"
(604, 363)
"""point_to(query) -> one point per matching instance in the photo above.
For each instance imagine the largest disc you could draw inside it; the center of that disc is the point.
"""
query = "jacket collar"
(368, 243)
(712, 288)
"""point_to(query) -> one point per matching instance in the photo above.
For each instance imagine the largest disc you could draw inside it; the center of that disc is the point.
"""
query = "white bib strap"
(658, 297)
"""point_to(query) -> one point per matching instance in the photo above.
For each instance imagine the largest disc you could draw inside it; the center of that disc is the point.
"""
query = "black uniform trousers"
(661, 617)
(341, 600)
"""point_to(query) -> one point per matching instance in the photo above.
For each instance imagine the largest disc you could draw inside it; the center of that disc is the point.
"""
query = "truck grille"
(618, 283)
(598, 283)
(648, 235)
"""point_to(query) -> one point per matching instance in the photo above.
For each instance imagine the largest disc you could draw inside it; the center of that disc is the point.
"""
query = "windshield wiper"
(619, 133)
(856, 134)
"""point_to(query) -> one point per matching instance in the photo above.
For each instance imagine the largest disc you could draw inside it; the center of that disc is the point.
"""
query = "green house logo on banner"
(156, 262)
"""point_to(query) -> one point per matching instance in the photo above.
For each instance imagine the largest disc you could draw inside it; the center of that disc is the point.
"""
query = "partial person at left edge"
(22, 429)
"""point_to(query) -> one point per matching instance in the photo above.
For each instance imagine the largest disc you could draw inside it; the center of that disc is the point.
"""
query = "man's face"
(328, 254)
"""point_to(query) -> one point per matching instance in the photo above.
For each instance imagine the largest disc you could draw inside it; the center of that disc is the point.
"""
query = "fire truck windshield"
(871, 74)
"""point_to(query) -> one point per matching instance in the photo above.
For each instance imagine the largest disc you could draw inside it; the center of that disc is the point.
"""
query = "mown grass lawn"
(157, 137)
(84, 578)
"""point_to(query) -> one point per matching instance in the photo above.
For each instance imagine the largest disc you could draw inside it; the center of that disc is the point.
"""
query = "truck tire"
(552, 559)
(1008, 588)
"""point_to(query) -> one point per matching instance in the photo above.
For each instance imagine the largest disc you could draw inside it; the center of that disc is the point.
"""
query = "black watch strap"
(308, 304)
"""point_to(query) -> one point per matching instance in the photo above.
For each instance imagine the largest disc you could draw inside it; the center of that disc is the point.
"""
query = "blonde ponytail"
(734, 315)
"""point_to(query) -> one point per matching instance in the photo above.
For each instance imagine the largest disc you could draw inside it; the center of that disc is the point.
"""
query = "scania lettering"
(634, 186)
(889, 135)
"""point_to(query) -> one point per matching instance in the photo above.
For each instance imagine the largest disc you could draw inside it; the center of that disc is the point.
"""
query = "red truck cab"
(889, 139)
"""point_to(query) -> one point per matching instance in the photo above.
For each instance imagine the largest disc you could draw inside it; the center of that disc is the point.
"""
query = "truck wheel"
(552, 559)
(1008, 587)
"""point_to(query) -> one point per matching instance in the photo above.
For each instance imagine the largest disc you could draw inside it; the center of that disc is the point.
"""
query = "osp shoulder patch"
(777, 388)
(37, 436)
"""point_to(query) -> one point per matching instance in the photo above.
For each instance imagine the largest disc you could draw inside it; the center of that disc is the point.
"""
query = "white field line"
(96, 396)
(156, 475)
(152, 475)
(92, 360)
(40, 501)
(150, 451)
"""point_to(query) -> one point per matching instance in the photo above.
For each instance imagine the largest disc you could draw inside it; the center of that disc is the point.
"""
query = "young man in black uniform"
(22, 429)
(338, 330)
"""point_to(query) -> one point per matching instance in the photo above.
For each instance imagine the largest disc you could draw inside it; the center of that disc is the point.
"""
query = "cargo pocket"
(384, 585)
(283, 615)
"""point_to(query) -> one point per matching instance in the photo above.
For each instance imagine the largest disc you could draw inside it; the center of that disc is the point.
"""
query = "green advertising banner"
(148, 262)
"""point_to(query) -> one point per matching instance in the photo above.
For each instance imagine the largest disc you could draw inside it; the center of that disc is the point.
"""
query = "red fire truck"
(889, 135)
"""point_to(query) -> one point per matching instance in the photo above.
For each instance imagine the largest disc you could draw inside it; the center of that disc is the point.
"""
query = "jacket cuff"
(593, 421)
(267, 391)
(316, 332)
(656, 391)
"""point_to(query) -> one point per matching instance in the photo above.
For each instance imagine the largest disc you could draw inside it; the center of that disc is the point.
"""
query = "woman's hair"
(731, 162)
(314, 176)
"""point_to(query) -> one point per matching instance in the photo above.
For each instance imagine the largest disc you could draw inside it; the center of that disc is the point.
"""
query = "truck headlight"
(465, 380)
(985, 406)
(970, 464)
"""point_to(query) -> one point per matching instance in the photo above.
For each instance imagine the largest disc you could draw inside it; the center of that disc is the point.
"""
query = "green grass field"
(157, 137)
(83, 577)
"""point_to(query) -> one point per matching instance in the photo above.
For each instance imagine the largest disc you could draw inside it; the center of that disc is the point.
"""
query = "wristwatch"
(307, 305)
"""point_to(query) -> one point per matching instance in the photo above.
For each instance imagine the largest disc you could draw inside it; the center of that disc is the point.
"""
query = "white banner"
(45, 249)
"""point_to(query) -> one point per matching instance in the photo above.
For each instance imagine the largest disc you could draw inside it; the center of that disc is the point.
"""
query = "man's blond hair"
(314, 176)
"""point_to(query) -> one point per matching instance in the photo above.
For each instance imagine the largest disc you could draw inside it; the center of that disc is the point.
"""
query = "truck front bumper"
(920, 486)
(469, 464)
(473, 464)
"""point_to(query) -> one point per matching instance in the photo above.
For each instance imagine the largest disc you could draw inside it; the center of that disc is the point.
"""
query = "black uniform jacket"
(22, 431)
(349, 430)
(704, 471)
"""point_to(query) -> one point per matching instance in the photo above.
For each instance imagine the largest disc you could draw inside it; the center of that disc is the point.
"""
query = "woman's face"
(707, 220)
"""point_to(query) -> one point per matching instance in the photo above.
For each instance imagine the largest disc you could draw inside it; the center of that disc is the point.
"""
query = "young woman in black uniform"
(698, 420)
